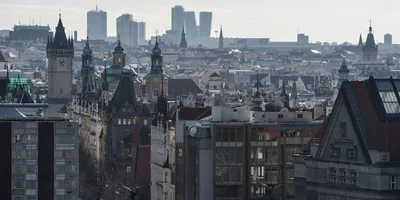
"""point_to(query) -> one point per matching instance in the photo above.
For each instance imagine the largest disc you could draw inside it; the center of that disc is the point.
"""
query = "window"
(18, 153)
(18, 169)
(18, 184)
(18, 138)
(280, 116)
(124, 121)
(119, 121)
(394, 182)
(343, 129)
(65, 139)
(128, 169)
(31, 154)
(299, 115)
(30, 169)
(145, 122)
(342, 172)
(30, 184)
(180, 152)
(388, 96)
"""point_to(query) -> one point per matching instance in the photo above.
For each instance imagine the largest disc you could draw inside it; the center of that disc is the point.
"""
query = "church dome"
(87, 50)
(156, 49)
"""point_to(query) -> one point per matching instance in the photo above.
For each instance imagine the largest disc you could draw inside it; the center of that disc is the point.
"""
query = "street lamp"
(270, 190)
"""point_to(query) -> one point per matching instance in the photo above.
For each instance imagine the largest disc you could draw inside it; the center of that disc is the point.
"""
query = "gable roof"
(378, 130)
(214, 75)
(182, 87)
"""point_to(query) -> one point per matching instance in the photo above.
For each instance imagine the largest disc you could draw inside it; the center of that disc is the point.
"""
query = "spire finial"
(370, 26)
(59, 14)
(257, 81)
(156, 32)
(119, 39)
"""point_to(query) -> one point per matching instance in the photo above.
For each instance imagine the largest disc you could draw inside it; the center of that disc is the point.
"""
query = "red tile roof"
(384, 136)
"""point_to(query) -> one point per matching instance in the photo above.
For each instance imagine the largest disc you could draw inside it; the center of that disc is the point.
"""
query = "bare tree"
(102, 179)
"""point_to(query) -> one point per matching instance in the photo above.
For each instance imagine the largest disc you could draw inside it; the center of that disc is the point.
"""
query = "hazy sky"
(322, 20)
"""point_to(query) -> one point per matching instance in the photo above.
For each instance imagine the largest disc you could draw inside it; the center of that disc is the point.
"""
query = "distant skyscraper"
(128, 30)
(177, 18)
(388, 39)
(302, 38)
(97, 24)
(142, 32)
(76, 36)
(191, 25)
(205, 24)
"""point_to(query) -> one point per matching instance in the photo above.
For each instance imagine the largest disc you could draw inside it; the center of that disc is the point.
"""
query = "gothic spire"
(360, 42)
(183, 43)
(221, 39)
(60, 40)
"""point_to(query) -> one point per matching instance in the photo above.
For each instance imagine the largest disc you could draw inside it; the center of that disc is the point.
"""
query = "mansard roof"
(374, 107)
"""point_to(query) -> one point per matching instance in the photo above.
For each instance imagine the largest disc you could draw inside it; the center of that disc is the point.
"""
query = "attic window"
(280, 116)
(388, 96)
(299, 115)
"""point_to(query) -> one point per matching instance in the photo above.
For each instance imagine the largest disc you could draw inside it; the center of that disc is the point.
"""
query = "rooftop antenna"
(97, 5)
(19, 20)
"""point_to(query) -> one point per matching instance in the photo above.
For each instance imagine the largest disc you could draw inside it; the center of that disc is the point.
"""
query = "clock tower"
(60, 54)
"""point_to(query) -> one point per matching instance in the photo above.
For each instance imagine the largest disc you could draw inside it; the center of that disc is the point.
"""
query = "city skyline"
(340, 21)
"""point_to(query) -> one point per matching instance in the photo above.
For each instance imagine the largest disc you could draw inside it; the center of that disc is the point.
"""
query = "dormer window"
(280, 116)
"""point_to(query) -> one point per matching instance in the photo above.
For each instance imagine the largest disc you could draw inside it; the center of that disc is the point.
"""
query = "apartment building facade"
(40, 159)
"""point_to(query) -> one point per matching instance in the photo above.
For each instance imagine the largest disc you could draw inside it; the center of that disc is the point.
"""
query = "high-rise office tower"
(191, 25)
(387, 38)
(142, 32)
(39, 157)
(205, 24)
(97, 24)
(128, 30)
(177, 18)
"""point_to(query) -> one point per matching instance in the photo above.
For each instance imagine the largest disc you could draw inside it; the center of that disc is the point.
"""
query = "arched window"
(119, 60)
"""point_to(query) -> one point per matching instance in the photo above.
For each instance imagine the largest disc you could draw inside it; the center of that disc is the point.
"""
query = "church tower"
(221, 40)
(60, 54)
(370, 49)
(183, 43)
(89, 84)
(156, 79)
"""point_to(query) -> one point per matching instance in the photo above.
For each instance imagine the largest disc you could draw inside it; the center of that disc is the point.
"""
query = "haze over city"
(330, 21)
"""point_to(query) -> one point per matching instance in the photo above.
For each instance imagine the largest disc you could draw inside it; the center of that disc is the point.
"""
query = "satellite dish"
(193, 131)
